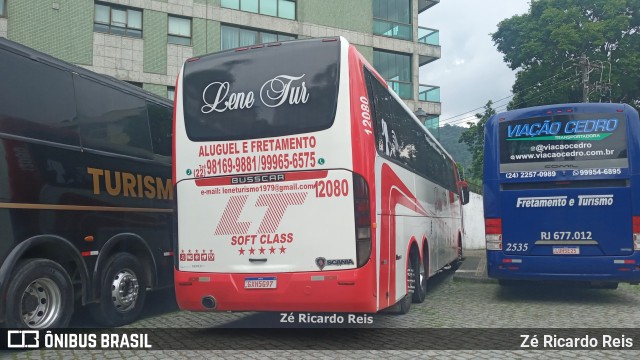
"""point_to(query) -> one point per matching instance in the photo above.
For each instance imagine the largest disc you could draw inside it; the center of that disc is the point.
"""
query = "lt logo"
(276, 205)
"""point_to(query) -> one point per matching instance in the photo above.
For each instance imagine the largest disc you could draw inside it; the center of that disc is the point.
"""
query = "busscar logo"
(254, 179)
(321, 262)
(23, 339)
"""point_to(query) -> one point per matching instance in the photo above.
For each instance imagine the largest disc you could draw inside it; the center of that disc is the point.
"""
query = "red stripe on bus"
(393, 192)
(306, 175)
(363, 147)
(173, 138)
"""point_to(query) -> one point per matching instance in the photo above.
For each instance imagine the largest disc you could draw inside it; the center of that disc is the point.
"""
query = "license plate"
(260, 283)
(566, 251)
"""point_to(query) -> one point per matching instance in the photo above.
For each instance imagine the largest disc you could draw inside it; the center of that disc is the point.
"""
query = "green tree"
(449, 135)
(545, 42)
(473, 137)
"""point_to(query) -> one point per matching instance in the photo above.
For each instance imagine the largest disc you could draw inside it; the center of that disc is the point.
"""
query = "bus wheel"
(405, 304)
(122, 291)
(39, 296)
(420, 291)
(459, 257)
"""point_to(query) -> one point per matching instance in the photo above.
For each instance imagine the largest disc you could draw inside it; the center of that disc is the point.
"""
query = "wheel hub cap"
(41, 303)
(124, 290)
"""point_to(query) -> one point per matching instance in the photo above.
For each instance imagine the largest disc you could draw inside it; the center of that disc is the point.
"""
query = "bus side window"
(160, 124)
(36, 100)
(389, 140)
(384, 137)
(113, 121)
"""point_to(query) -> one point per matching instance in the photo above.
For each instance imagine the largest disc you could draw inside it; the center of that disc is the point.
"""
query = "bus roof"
(43, 58)
(272, 44)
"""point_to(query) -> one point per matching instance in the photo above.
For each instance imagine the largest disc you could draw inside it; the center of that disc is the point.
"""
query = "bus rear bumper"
(566, 268)
(331, 291)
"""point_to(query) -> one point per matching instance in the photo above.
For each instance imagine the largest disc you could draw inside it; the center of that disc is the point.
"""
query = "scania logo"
(321, 262)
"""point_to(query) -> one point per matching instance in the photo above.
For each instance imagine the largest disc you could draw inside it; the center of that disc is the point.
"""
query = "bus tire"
(404, 305)
(39, 296)
(457, 263)
(420, 290)
(123, 290)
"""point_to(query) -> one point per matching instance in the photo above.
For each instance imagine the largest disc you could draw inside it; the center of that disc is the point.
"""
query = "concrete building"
(146, 41)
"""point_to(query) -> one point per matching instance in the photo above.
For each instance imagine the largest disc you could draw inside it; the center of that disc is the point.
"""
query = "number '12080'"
(332, 188)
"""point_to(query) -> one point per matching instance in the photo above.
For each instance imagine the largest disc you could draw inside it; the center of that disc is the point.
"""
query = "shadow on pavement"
(157, 303)
(556, 292)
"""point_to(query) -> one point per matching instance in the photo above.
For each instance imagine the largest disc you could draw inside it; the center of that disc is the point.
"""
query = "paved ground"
(467, 310)
(474, 267)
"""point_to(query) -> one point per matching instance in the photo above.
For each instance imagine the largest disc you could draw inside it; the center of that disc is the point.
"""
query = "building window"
(233, 37)
(134, 83)
(3, 7)
(285, 9)
(179, 30)
(432, 123)
(171, 92)
(396, 69)
(392, 18)
(118, 20)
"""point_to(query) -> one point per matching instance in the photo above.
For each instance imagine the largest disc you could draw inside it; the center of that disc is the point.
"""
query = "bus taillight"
(493, 233)
(362, 212)
(636, 232)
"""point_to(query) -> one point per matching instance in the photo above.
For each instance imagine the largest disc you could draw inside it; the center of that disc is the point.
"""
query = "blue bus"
(562, 194)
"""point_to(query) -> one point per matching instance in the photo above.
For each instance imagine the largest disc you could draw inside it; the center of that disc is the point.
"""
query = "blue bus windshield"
(568, 141)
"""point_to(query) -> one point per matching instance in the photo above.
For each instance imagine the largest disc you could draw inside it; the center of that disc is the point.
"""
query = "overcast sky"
(471, 70)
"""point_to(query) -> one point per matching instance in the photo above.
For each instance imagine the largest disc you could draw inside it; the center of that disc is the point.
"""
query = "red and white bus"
(304, 184)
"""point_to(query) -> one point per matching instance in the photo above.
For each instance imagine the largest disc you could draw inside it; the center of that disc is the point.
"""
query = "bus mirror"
(464, 191)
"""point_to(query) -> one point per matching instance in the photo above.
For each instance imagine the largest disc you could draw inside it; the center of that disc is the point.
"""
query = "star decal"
(241, 251)
(272, 250)
(252, 251)
(282, 249)
(262, 250)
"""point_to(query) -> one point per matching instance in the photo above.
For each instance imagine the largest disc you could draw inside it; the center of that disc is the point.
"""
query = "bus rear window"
(563, 142)
(271, 91)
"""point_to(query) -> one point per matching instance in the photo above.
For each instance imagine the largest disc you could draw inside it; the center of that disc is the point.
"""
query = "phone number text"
(587, 172)
(254, 163)
(529, 174)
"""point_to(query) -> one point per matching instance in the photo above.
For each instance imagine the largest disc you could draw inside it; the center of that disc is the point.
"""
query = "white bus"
(304, 184)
